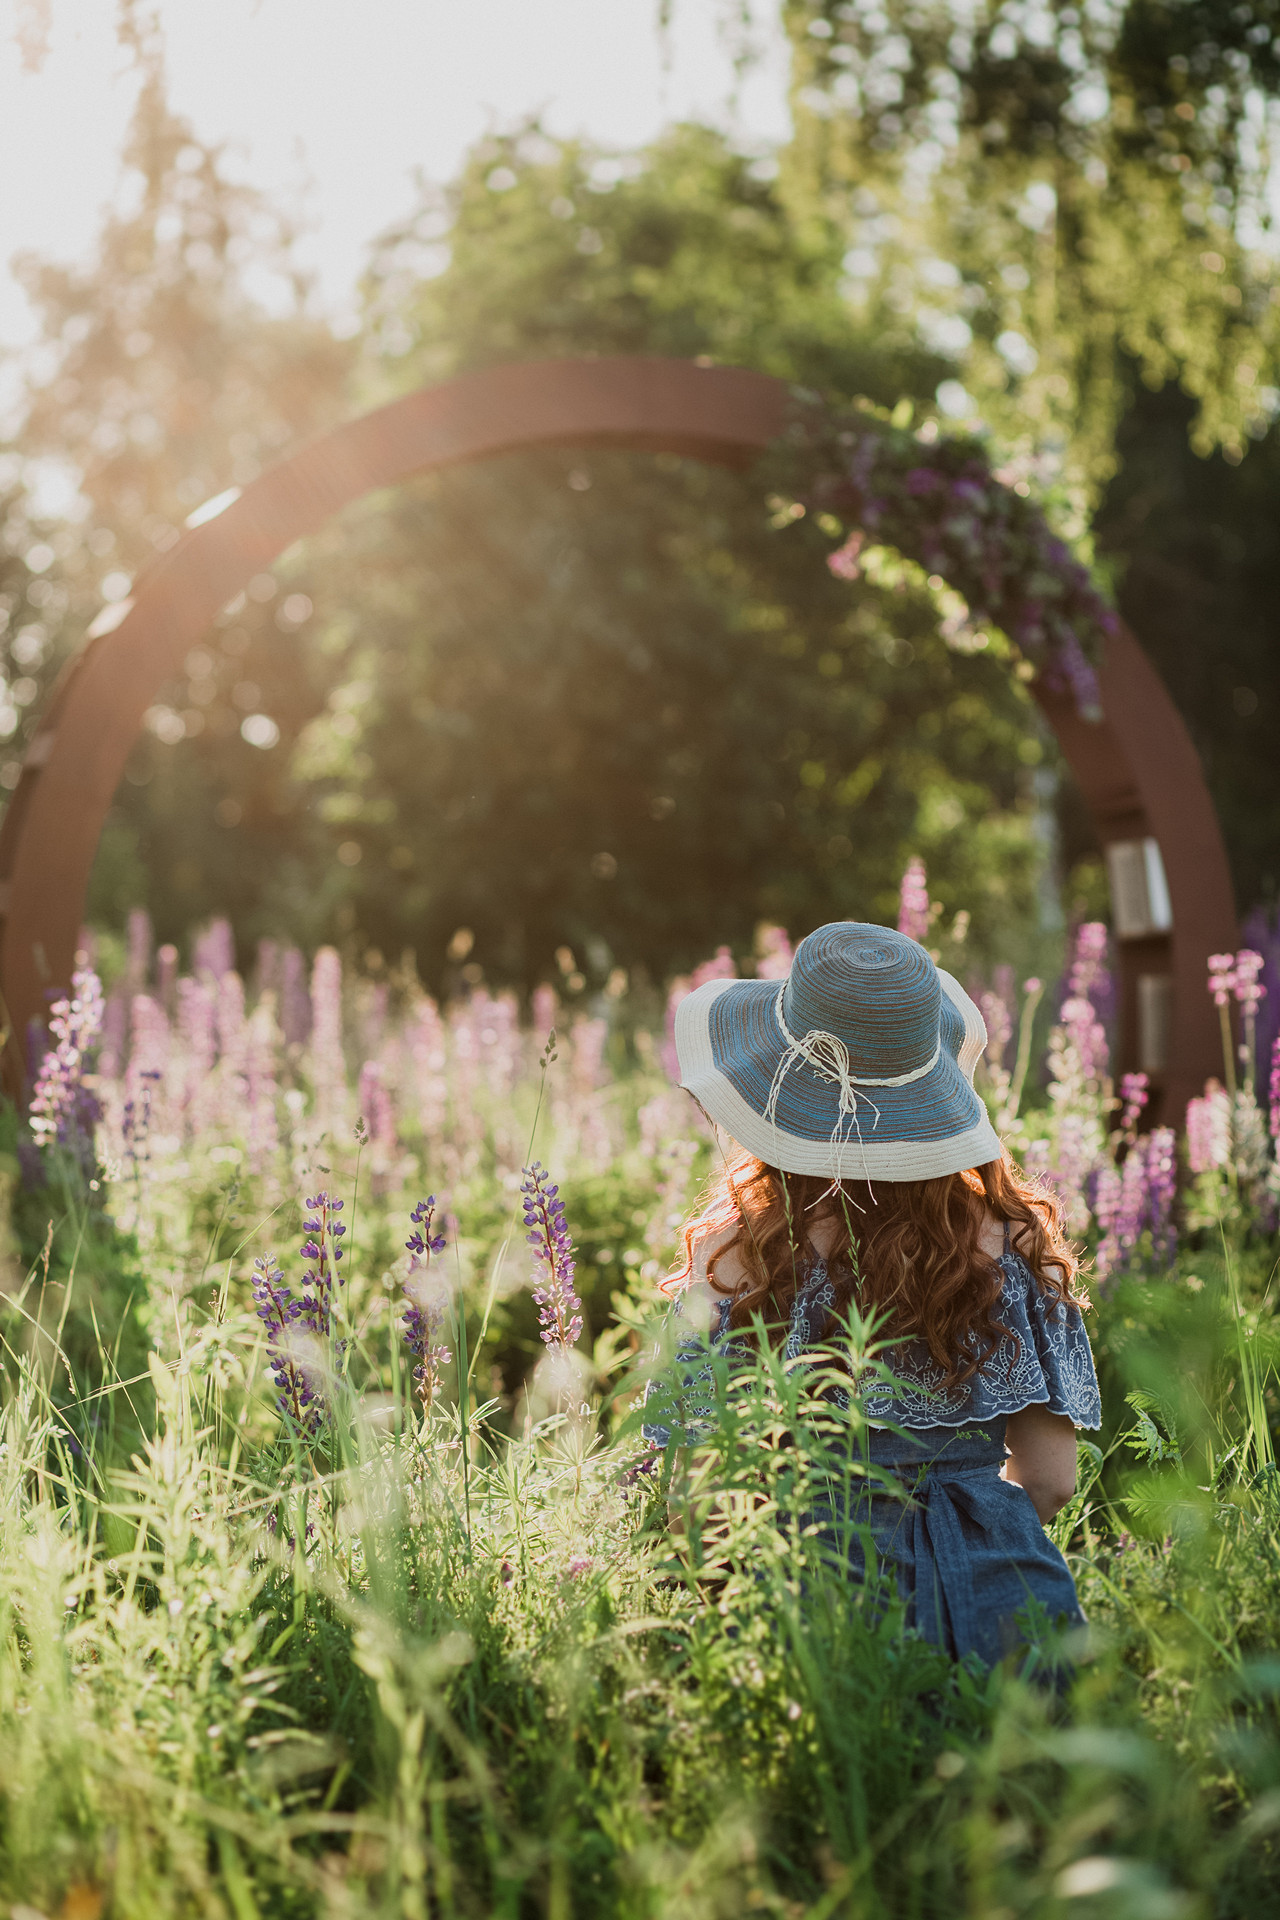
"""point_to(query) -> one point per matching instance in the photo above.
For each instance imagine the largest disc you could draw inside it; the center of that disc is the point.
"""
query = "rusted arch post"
(1137, 767)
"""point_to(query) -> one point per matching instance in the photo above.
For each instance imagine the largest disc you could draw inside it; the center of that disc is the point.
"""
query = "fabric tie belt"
(946, 1606)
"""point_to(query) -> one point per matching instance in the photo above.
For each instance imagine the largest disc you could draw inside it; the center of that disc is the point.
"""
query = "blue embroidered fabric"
(1044, 1359)
(964, 1545)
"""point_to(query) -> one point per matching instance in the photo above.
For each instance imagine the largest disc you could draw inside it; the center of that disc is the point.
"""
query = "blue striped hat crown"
(878, 992)
(859, 1065)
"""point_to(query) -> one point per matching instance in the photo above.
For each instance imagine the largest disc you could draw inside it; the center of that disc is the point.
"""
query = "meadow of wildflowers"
(335, 1576)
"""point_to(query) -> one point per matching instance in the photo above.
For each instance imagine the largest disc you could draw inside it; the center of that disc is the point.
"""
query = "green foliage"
(646, 719)
(397, 1689)
(1193, 541)
(594, 704)
(1073, 198)
(489, 1657)
(1072, 203)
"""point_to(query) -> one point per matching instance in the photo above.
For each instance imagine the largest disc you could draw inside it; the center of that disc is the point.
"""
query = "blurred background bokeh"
(555, 717)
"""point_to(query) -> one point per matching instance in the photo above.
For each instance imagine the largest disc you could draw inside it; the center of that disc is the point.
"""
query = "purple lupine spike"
(1088, 984)
(64, 1109)
(298, 1395)
(1135, 1091)
(425, 1306)
(1273, 1090)
(422, 1243)
(322, 1278)
(1161, 1157)
(559, 1308)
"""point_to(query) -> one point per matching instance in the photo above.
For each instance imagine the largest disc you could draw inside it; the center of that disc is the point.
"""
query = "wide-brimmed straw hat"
(858, 1066)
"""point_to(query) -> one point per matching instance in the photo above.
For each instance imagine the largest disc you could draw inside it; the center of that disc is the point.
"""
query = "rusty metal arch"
(1137, 767)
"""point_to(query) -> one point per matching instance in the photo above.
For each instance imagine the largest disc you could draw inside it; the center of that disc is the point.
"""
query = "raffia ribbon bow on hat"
(828, 1056)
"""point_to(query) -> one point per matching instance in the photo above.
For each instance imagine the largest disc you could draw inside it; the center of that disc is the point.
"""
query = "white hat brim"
(793, 1153)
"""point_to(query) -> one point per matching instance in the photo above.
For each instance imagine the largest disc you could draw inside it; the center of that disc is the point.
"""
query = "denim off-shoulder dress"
(966, 1547)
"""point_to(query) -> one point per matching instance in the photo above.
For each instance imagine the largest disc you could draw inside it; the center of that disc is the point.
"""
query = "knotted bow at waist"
(943, 1557)
(966, 1546)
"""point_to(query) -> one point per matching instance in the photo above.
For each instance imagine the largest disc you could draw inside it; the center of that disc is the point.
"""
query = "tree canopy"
(617, 708)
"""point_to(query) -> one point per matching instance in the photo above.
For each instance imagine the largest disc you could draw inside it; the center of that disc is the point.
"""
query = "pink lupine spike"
(215, 949)
(328, 1062)
(138, 947)
(261, 1059)
(295, 1000)
(915, 910)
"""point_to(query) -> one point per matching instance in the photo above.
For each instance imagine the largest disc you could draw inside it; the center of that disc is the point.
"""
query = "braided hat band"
(796, 1098)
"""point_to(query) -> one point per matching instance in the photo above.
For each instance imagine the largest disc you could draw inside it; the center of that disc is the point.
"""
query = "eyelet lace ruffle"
(1044, 1359)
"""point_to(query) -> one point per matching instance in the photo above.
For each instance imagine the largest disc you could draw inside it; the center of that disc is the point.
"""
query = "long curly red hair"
(909, 1250)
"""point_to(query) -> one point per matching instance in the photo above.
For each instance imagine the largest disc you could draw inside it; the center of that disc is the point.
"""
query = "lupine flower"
(215, 949)
(1107, 1191)
(559, 1308)
(1247, 986)
(1222, 978)
(587, 1069)
(1273, 1090)
(1162, 1186)
(1250, 1148)
(773, 948)
(915, 913)
(1209, 1129)
(1089, 975)
(1250, 993)
(999, 1023)
(430, 1058)
(1135, 1091)
(197, 1030)
(321, 1247)
(167, 975)
(425, 1309)
(1078, 1047)
(1137, 1200)
(114, 1045)
(300, 1332)
(375, 1105)
(328, 1065)
(138, 938)
(295, 1001)
(297, 1390)
(135, 1125)
(721, 967)
(63, 1109)
(262, 1132)
(1070, 1169)
(1127, 1221)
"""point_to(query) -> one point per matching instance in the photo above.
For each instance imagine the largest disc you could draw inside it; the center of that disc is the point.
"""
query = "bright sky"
(333, 104)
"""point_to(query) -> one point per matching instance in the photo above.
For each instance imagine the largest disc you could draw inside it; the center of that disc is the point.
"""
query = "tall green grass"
(463, 1664)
